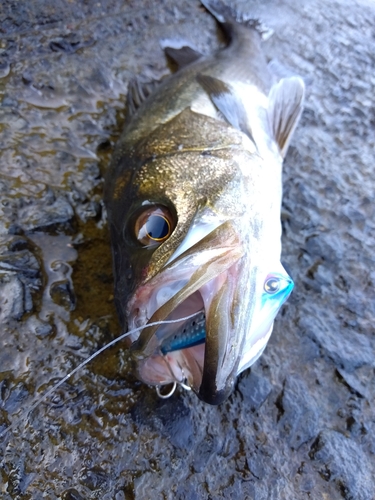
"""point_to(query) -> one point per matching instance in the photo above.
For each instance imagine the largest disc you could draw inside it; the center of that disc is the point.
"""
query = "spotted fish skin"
(203, 151)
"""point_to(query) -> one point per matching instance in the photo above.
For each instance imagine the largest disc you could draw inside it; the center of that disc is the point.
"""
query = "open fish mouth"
(200, 282)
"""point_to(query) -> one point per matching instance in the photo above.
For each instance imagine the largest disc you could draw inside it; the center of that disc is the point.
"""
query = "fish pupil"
(157, 227)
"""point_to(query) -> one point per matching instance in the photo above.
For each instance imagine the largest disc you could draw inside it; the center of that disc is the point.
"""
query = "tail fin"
(229, 18)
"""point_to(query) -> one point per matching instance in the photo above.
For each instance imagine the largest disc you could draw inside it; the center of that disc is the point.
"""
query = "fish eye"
(153, 226)
(272, 285)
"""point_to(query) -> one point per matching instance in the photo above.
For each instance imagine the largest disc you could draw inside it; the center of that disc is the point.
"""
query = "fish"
(193, 197)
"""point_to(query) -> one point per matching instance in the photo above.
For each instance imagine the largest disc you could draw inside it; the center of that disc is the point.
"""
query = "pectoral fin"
(285, 108)
(227, 102)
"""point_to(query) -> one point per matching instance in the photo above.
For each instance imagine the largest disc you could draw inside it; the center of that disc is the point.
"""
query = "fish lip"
(147, 345)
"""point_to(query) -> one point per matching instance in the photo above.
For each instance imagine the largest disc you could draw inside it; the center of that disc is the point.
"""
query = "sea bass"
(193, 195)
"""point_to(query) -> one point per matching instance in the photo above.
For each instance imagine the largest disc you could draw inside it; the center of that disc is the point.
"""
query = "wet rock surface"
(301, 423)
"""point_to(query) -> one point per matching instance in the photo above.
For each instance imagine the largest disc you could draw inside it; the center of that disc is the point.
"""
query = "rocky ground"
(301, 423)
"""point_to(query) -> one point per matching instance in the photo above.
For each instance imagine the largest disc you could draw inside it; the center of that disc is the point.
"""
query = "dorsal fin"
(182, 56)
(227, 102)
(137, 93)
(284, 109)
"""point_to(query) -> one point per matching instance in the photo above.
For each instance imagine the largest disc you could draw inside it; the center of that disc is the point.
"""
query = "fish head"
(191, 232)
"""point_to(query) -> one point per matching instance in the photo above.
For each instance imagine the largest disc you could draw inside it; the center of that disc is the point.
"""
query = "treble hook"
(169, 394)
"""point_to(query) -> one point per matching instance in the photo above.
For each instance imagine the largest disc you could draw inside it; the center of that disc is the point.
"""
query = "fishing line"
(44, 396)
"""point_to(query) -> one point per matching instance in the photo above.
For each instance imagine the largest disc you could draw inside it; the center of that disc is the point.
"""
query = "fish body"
(193, 195)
